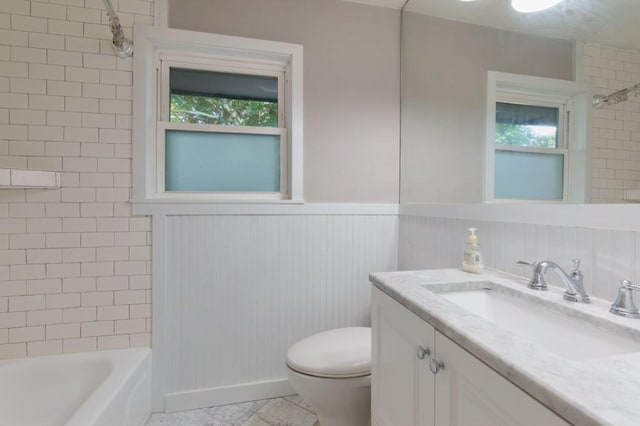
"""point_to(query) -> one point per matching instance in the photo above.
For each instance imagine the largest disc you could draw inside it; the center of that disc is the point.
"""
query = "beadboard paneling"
(608, 256)
(241, 289)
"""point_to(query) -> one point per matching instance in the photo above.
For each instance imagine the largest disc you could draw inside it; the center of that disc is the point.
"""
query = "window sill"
(285, 207)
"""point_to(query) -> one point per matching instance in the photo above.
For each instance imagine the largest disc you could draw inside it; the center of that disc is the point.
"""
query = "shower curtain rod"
(600, 101)
(122, 45)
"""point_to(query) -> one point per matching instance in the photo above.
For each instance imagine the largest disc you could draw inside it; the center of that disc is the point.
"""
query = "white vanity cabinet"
(465, 392)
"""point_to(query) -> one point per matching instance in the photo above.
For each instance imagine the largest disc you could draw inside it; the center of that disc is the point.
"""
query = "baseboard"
(207, 397)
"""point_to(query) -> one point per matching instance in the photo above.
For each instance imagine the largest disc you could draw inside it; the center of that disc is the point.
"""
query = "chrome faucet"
(624, 305)
(574, 282)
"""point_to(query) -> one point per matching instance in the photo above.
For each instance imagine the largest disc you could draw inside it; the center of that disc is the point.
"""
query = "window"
(537, 139)
(531, 156)
(227, 118)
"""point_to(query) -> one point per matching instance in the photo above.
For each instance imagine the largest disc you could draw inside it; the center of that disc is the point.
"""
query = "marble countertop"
(601, 391)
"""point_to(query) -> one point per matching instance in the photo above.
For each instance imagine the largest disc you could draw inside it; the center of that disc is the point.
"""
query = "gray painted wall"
(444, 81)
(351, 85)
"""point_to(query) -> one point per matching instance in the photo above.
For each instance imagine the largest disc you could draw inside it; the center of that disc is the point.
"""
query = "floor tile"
(234, 414)
(183, 418)
(288, 411)
(280, 412)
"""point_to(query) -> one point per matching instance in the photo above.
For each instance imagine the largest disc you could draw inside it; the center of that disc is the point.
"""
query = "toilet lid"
(341, 352)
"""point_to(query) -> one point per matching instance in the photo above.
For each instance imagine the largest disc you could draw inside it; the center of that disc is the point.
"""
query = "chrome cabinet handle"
(435, 366)
(421, 352)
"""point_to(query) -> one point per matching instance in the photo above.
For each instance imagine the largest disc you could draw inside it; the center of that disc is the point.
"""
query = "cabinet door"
(469, 393)
(402, 388)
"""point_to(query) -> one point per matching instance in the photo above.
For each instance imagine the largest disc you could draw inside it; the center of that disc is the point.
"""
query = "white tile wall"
(608, 256)
(74, 265)
(616, 129)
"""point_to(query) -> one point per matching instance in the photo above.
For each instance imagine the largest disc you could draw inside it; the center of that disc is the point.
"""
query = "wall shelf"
(19, 178)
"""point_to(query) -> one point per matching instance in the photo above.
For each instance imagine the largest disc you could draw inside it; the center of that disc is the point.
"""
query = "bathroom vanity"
(452, 348)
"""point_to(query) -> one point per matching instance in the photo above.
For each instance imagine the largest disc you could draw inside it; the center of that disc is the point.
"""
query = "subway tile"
(79, 315)
(97, 269)
(46, 347)
(129, 326)
(14, 38)
(26, 334)
(113, 283)
(63, 149)
(14, 350)
(96, 328)
(13, 319)
(80, 44)
(62, 331)
(26, 303)
(44, 317)
(62, 240)
(47, 10)
(16, 257)
(79, 254)
(98, 298)
(65, 300)
(28, 23)
(28, 54)
(63, 270)
(58, 26)
(44, 256)
(129, 297)
(78, 285)
(113, 342)
(27, 272)
(85, 75)
(12, 288)
(84, 344)
(47, 286)
(64, 88)
(17, 7)
(140, 340)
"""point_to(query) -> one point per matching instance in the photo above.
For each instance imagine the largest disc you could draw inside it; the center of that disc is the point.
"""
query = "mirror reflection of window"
(531, 154)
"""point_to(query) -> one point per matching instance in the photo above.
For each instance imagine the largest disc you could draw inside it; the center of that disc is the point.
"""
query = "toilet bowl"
(332, 371)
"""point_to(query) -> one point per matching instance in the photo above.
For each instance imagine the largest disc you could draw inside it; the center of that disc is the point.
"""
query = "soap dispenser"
(472, 259)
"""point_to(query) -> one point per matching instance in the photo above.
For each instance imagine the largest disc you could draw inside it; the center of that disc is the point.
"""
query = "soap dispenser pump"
(472, 258)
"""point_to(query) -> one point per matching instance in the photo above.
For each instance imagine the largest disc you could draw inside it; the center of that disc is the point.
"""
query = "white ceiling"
(610, 22)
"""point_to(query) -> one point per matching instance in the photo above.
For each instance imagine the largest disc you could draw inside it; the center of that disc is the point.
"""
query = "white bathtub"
(109, 388)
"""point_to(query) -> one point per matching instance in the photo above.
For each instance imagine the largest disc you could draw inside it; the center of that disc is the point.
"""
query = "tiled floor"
(288, 411)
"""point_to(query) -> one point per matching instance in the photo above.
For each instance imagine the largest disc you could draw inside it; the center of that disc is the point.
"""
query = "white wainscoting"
(608, 255)
(233, 292)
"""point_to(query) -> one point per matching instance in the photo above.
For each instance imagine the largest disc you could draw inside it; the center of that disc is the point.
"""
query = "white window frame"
(573, 99)
(157, 50)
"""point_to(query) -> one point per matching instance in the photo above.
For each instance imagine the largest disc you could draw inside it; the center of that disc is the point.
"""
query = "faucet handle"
(629, 286)
(624, 305)
(576, 264)
(524, 262)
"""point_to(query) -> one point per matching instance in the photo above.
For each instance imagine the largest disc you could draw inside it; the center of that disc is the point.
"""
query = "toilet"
(332, 371)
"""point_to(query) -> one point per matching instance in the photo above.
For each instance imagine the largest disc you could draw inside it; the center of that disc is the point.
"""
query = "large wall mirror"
(498, 105)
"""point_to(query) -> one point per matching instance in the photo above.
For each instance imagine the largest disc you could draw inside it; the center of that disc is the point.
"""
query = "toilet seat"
(337, 353)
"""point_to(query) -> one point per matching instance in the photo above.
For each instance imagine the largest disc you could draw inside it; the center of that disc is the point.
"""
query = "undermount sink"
(554, 331)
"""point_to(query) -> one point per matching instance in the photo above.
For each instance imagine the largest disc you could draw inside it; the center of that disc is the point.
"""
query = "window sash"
(163, 126)
(219, 65)
(563, 105)
(227, 65)
(549, 151)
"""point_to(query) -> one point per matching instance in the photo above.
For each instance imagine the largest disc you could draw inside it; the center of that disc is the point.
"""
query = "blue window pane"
(528, 175)
(221, 162)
